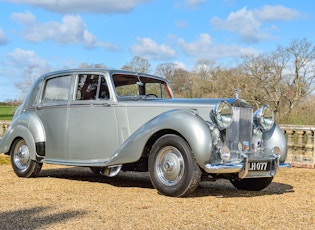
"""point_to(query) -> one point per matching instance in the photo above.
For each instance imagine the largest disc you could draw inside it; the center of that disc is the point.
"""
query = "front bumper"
(242, 168)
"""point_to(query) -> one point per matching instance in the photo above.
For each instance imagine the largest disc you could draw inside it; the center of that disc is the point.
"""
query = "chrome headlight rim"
(264, 117)
(222, 115)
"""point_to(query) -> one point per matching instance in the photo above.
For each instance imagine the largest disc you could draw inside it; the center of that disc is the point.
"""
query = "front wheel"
(21, 161)
(252, 184)
(172, 167)
(96, 170)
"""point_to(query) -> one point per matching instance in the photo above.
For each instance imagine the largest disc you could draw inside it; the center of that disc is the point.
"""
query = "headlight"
(222, 114)
(264, 117)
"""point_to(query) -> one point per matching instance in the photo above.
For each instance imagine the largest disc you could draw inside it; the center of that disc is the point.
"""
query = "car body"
(112, 120)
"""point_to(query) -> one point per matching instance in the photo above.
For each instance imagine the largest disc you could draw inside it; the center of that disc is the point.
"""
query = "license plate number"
(258, 166)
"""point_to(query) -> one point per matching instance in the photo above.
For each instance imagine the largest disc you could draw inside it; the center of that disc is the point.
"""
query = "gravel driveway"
(75, 198)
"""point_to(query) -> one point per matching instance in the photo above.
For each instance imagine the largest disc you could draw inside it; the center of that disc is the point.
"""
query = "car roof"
(100, 70)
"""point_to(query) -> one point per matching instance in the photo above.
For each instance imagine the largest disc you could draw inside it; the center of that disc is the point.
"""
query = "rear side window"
(57, 89)
(91, 87)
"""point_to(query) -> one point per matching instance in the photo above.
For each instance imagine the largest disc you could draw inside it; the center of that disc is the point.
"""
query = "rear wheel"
(252, 184)
(21, 161)
(172, 167)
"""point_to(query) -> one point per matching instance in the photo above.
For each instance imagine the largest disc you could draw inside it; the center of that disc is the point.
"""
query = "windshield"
(140, 87)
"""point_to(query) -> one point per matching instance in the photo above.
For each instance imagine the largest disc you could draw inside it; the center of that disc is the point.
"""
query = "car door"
(53, 111)
(92, 127)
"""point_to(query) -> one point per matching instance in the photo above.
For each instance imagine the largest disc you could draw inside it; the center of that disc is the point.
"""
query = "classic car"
(113, 120)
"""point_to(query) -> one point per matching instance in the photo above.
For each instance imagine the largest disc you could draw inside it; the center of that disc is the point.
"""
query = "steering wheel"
(151, 95)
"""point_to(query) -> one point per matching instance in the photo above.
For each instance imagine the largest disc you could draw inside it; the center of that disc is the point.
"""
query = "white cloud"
(20, 58)
(278, 12)
(71, 30)
(203, 47)
(242, 22)
(3, 38)
(249, 23)
(203, 44)
(78, 6)
(20, 67)
(147, 48)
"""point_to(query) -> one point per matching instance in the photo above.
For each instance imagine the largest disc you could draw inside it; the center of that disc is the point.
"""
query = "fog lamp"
(276, 150)
(225, 153)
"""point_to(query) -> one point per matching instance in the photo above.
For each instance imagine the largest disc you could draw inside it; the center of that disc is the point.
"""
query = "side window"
(103, 92)
(91, 87)
(57, 89)
(156, 89)
(127, 90)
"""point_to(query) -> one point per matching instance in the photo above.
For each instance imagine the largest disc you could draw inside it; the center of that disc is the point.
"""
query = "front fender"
(275, 137)
(186, 122)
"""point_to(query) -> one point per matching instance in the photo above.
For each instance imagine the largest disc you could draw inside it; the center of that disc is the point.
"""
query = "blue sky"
(53, 34)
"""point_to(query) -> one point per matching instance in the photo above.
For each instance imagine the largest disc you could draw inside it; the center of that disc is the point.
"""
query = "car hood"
(200, 101)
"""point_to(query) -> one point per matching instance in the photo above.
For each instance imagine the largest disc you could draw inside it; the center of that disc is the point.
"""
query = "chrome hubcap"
(169, 165)
(21, 155)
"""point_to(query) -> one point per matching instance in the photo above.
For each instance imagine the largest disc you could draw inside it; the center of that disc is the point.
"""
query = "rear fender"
(17, 132)
(185, 122)
(26, 126)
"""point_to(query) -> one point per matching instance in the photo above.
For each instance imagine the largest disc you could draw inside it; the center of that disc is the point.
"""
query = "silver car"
(112, 120)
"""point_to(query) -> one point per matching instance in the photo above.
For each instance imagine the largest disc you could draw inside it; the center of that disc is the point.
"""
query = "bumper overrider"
(249, 168)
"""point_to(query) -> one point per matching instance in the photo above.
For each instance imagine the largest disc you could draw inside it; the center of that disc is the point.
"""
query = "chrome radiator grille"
(239, 133)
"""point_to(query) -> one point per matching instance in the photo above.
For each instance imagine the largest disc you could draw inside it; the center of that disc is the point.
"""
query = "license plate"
(259, 166)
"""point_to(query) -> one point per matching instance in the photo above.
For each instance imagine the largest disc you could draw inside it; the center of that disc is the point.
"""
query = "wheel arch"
(22, 132)
(148, 146)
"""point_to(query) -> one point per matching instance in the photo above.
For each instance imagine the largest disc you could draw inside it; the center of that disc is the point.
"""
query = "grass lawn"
(7, 112)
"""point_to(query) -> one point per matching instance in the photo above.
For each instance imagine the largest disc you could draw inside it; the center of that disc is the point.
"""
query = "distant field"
(6, 112)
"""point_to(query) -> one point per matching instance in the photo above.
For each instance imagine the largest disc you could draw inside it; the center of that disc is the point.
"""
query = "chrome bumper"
(242, 168)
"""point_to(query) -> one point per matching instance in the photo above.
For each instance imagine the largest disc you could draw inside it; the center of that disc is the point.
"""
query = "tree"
(285, 76)
(182, 83)
(204, 78)
(301, 71)
(32, 73)
(206, 69)
(166, 70)
(138, 64)
(267, 78)
(179, 79)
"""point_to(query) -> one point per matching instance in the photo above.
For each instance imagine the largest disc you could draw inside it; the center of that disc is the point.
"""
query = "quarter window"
(57, 89)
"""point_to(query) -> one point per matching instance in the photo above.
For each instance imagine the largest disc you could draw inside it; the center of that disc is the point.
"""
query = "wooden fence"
(301, 142)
